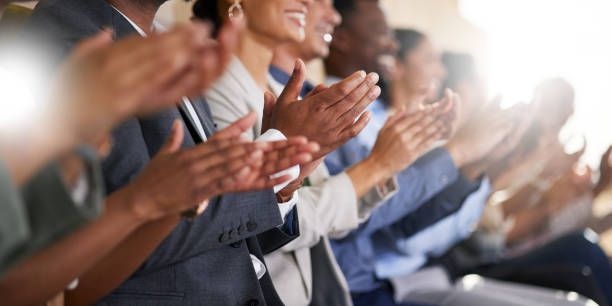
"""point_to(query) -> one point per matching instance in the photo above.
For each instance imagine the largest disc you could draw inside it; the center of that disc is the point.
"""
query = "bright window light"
(529, 40)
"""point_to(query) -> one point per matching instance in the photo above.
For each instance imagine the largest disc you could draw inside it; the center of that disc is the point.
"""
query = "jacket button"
(236, 244)
(223, 238)
(232, 234)
(242, 229)
(251, 226)
(253, 303)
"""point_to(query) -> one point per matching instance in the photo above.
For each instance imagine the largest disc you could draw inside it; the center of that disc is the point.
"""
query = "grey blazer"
(204, 262)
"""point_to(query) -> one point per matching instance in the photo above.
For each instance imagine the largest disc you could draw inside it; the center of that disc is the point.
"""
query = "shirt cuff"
(376, 197)
(294, 172)
(286, 207)
(388, 189)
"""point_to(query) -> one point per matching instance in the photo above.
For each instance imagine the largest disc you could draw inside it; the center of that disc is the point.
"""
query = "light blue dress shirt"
(410, 254)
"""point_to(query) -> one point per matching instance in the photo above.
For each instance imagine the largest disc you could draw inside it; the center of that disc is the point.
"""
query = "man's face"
(321, 20)
(371, 39)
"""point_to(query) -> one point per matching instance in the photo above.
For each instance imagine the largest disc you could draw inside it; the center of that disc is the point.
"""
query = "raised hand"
(103, 82)
(481, 135)
(404, 137)
(327, 116)
(177, 180)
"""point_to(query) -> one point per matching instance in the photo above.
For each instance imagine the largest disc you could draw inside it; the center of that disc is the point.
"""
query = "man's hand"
(103, 82)
(176, 180)
(328, 115)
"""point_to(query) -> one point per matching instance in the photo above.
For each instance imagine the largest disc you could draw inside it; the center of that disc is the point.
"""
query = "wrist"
(379, 168)
(137, 204)
(456, 154)
(365, 175)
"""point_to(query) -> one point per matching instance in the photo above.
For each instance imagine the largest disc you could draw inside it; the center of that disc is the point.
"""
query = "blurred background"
(516, 44)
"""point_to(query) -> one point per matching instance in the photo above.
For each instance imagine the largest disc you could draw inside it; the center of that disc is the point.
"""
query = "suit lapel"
(201, 107)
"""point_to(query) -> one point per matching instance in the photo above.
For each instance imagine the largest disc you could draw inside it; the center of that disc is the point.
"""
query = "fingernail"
(373, 78)
(375, 92)
(361, 74)
(296, 66)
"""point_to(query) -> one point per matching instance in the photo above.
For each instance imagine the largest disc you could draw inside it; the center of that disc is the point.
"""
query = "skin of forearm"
(49, 271)
(117, 266)
(367, 174)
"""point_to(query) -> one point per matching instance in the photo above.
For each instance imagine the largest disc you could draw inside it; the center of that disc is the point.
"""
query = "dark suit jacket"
(204, 262)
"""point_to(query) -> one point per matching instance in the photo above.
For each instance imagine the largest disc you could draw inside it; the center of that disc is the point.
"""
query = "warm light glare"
(529, 40)
(17, 99)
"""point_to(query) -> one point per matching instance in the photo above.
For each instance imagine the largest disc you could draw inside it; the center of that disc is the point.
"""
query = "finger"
(340, 90)
(102, 39)
(237, 128)
(349, 116)
(396, 117)
(354, 130)
(231, 158)
(276, 165)
(419, 134)
(264, 182)
(420, 118)
(173, 143)
(224, 170)
(214, 146)
(294, 85)
(320, 88)
(269, 103)
(349, 102)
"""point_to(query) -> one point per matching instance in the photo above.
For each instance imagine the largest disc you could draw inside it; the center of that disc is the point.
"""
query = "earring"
(235, 11)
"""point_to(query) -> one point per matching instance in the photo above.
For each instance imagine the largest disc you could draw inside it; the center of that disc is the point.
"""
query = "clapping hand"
(328, 115)
(176, 180)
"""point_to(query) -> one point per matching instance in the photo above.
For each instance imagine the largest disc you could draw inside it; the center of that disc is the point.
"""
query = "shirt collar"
(283, 77)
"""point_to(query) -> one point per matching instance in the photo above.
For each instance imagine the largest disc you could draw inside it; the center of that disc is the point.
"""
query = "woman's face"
(277, 20)
(424, 70)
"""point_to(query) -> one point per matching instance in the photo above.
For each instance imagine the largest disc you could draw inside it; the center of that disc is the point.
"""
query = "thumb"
(90, 44)
(173, 143)
(294, 86)
(269, 103)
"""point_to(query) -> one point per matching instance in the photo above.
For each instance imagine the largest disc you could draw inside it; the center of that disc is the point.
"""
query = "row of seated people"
(171, 169)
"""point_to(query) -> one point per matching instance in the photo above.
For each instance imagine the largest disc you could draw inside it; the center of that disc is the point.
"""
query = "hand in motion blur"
(405, 136)
(177, 180)
(605, 172)
(326, 115)
(480, 135)
(103, 82)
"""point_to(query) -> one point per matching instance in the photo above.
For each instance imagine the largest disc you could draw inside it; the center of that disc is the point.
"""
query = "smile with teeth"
(299, 18)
